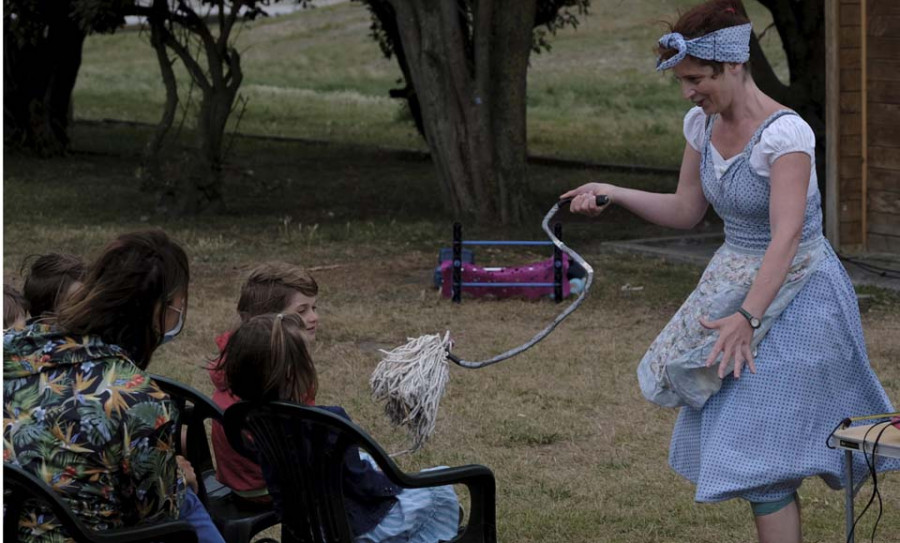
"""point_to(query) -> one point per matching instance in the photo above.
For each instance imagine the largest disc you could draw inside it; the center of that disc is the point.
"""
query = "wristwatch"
(754, 322)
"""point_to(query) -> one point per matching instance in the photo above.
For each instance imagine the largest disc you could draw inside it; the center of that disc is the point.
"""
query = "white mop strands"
(411, 380)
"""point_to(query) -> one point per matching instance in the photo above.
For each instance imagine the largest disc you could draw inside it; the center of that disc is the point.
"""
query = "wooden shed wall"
(876, 226)
(883, 134)
(850, 125)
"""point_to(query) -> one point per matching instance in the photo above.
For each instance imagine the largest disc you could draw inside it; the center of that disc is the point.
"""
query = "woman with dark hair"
(774, 297)
(80, 411)
(51, 278)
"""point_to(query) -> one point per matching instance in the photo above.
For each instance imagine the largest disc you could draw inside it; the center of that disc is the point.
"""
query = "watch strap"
(750, 318)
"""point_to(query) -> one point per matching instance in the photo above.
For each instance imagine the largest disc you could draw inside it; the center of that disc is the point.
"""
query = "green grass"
(579, 455)
(316, 74)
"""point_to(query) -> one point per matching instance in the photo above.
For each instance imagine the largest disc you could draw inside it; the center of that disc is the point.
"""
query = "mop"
(412, 379)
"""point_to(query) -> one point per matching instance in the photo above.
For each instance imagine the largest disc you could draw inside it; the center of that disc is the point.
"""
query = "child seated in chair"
(273, 287)
(52, 278)
(15, 309)
(267, 359)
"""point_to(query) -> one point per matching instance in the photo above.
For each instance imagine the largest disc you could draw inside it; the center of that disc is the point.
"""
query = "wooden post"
(864, 121)
(558, 276)
(456, 276)
(832, 120)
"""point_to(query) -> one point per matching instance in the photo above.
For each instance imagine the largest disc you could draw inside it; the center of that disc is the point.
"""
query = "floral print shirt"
(81, 416)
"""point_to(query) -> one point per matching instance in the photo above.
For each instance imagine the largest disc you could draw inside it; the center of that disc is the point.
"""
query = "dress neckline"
(753, 138)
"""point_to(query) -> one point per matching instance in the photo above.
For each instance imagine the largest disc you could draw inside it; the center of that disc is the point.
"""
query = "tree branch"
(189, 61)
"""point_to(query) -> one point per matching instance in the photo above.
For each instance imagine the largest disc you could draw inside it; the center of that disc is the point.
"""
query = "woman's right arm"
(683, 209)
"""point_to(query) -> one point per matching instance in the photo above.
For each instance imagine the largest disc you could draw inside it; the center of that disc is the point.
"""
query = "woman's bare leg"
(782, 526)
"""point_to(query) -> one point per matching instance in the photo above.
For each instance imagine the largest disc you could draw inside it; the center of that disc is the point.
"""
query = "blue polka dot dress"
(761, 435)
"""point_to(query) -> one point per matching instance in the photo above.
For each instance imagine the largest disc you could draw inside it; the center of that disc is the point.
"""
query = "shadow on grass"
(287, 186)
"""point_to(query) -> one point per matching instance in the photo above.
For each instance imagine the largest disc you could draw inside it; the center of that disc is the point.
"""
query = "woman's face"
(700, 86)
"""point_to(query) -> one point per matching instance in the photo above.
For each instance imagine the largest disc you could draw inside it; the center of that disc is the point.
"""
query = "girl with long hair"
(267, 359)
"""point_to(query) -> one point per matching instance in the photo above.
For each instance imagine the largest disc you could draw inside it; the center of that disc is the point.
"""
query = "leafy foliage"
(551, 16)
(28, 21)
(554, 15)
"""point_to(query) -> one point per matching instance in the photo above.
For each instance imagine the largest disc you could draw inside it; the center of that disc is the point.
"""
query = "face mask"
(170, 335)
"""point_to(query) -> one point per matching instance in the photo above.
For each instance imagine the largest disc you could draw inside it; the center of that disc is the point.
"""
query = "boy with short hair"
(273, 287)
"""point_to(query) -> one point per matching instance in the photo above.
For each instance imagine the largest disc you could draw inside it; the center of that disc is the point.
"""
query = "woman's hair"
(134, 279)
(14, 306)
(270, 286)
(706, 18)
(266, 359)
(49, 280)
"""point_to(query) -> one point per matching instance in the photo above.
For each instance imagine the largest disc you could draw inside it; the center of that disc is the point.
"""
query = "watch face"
(754, 323)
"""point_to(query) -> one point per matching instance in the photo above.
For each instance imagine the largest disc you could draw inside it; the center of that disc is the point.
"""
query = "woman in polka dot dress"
(767, 355)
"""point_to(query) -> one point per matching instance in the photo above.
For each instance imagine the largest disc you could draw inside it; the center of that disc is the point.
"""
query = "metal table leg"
(848, 500)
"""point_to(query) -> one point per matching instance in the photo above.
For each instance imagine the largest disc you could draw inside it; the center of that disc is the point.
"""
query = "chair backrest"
(194, 410)
(304, 449)
(20, 486)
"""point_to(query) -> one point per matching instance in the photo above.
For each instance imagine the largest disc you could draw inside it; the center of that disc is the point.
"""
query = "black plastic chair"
(20, 486)
(304, 447)
(238, 520)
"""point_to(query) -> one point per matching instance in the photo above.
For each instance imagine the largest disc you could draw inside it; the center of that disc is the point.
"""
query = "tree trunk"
(473, 112)
(801, 26)
(151, 171)
(38, 84)
(510, 53)
(205, 192)
(387, 19)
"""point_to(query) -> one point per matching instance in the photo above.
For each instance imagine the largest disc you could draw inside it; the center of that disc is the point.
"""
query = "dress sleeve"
(788, 134)
(695, 127)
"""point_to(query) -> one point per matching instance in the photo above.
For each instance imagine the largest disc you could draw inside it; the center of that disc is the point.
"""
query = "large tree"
(477, 138)
(42, 44)
(465, 65)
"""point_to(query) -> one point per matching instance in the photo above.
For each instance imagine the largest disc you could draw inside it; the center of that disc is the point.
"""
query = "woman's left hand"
(735, 335)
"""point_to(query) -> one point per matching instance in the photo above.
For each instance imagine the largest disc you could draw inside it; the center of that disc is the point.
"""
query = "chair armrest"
(176, 531)
(460, 475)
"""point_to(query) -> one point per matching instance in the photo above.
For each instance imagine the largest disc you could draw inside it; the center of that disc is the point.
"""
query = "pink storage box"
(538, 272)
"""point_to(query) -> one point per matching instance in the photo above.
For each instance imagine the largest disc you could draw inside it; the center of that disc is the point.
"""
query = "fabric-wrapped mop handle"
(545, 224)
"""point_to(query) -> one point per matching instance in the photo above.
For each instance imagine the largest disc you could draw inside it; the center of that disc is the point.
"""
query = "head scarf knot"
(731, 44)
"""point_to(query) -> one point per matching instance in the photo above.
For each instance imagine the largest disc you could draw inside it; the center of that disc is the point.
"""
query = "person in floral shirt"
(81, 413)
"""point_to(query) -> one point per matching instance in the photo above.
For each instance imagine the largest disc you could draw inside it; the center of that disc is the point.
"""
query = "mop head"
(411, 380)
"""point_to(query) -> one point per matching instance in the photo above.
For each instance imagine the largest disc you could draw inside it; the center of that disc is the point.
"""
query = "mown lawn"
(578, 454)
(316, 74)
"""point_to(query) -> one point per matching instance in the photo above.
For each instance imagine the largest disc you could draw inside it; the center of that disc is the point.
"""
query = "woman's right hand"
(584, 199)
